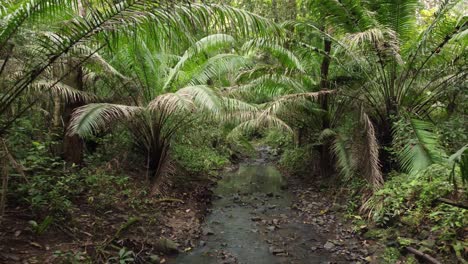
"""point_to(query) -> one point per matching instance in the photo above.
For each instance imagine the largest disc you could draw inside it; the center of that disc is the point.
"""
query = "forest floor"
(148, 225)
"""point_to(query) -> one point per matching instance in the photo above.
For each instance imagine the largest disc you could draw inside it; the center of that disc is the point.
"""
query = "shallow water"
(230, 219)
(234, 228)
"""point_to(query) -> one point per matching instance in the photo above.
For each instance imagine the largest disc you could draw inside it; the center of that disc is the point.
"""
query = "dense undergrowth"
(405, 212)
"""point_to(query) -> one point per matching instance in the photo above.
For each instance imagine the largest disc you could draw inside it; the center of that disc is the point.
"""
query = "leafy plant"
(42, 226)
(124, 256)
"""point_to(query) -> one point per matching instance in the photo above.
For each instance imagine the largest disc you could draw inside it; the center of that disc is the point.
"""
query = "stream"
(252, 222)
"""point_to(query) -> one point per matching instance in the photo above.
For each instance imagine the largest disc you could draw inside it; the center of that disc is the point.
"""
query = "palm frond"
(284, 56)
(28, 10)
(62, 90)
(368, 153)
(291, 99)
(92, 118)
(203, 97)
(218, 66)
(171, 103)
(417, 145)
(343, 156)
(210, 42)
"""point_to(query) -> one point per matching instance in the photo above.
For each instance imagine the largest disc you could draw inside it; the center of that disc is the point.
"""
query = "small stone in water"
(328, 245)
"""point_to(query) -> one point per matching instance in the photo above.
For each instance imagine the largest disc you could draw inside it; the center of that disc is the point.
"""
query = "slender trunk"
(73, 146)
(326, 157)
(386, 140)
(57, 117)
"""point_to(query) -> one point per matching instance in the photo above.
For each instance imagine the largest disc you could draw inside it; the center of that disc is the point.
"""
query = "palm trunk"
(327, 166)
(73, 146)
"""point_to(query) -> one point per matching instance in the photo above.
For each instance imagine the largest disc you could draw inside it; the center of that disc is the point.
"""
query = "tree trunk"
(73, 146)
(327, 166)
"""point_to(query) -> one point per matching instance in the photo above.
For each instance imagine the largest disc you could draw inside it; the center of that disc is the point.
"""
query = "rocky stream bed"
(259, 217)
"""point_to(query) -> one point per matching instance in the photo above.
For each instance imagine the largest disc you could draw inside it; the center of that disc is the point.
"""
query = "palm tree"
(42, 22)
(167, 92)
(374, 63)
(57, 59)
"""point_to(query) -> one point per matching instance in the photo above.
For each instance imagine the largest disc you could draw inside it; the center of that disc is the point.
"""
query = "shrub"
(297, 159)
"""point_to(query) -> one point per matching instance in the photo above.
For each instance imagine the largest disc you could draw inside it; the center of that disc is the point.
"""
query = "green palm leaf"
(418, 146)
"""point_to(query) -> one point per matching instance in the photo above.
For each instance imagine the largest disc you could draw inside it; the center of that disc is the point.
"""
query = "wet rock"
(270, 194)
(208, 232)
(256, 219)
(155, 259)
(329, 245)
(276, 251)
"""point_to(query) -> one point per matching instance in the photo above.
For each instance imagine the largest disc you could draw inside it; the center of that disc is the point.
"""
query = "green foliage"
(199, 160)
(417, 145)
(125, 256)
(42, 226)
(203, 151)
(410, 194)
(454, 133)
(70, 257)
(411, 199)
(297, 160)
(51, 194)
(459, 159)
(277, 139)
(55, 194)
(390, 255)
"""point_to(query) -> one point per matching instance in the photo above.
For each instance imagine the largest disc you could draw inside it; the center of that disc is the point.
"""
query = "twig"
(125, 226)
(169, 200)
(18, 167)
(422, 255)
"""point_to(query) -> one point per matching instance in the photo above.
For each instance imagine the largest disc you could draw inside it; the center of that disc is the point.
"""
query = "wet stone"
(208, 232)
(329, 245)
(256, 219)
(277, 251)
